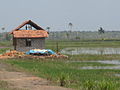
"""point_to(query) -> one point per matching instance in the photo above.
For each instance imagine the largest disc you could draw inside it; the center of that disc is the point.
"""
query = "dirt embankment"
(25, 81)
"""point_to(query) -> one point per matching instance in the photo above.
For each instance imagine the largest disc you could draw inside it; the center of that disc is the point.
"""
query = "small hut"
(28, 36)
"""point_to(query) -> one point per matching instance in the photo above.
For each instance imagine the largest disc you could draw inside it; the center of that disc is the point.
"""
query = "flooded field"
(102, 67)
(114, 64)
(100, 51)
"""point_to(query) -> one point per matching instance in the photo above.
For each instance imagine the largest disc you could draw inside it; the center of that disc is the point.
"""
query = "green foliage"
(100, 85)
(3, 50)
(64, 79)
(8, 37)
(5, 36)
(77, 38)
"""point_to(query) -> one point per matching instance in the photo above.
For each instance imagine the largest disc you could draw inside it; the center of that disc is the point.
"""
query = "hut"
(29, 36)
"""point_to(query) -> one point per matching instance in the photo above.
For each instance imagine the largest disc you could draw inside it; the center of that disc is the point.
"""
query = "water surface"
(116, 64)
(101, 51)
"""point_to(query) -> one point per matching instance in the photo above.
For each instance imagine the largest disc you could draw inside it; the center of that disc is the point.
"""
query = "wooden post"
(57, 47)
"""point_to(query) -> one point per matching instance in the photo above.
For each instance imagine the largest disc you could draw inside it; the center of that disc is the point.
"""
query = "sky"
(85, 15)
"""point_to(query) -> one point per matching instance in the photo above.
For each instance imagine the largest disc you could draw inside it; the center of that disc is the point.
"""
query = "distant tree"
(3, 28)
(53, 35)
(101, 30)
(7, 35)
(71, 26)
(48, 28)
(77, 38)
(67, 34)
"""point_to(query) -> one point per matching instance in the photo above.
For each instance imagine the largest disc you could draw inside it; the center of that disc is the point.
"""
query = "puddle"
(101, 51)
(96, 67)
(114, 62)
(118, 75)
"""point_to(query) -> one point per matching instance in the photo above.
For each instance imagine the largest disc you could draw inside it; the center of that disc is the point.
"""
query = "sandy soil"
(22, 80)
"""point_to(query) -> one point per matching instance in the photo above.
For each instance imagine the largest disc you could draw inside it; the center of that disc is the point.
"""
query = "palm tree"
(3, 28)
(101, 31)
(48, 28)
(71, 26)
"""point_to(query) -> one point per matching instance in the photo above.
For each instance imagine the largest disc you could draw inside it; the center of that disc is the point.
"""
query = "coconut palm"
(3, 28)
(101, 31)
(71, 26)
(48, 28)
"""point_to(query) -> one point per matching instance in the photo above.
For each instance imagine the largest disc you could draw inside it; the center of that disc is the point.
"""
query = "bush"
(99, 85)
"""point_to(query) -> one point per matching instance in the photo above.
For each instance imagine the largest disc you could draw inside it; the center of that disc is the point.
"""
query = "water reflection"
(102, 67)
(114, 62)
(118, 75)
(100, 51)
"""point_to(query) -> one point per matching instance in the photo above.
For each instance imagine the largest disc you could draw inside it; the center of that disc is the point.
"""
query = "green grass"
(6, 43)
(68, 74)
(3, 50)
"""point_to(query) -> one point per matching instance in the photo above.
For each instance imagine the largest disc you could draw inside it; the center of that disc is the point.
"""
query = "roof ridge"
(37, 27)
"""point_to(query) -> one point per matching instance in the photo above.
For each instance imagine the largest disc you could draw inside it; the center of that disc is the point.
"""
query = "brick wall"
(38, 43)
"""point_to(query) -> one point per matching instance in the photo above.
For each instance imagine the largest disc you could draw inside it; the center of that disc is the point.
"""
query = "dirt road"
(22, 80)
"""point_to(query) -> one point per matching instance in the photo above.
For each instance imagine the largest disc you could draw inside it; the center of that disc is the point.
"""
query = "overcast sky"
(84, 14)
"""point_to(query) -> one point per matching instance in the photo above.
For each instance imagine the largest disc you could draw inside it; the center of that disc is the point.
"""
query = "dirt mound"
(17, 54)
(11, 54)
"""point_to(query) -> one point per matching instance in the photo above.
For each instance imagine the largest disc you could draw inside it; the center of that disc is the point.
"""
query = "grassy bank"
(68, 74)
